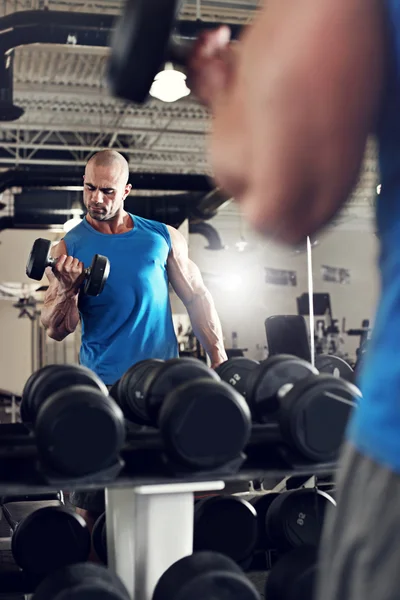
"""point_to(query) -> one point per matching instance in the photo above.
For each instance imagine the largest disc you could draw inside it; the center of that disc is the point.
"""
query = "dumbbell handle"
(51, 262)
(12, 522)
(179, 50)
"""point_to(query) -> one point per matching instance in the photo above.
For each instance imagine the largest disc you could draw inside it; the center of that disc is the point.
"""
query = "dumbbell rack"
(150, 511)
(148, 529)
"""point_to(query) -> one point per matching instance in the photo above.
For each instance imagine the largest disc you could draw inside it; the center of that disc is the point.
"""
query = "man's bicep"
(312, 75)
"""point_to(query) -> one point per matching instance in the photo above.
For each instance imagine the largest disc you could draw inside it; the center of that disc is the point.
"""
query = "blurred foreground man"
(293, 104)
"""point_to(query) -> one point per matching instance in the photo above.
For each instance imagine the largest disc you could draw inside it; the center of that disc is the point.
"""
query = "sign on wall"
(335, 274)
(280, 277)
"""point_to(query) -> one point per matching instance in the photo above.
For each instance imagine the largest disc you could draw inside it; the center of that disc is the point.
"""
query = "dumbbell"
(333, 365)
(79, 429)
(293, 576)
(47, 539)
(129, 391)
(204, 423)
(99, 538)
(95, 276)
(261, 504)
(295, 519)
(138, 33)
(204, 575)
(304, 410)
(85, 581)
(235, 371)
(228, 525)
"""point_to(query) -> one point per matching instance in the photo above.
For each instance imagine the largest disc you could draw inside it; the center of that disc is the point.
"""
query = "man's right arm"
(293, 104)
(60, 314)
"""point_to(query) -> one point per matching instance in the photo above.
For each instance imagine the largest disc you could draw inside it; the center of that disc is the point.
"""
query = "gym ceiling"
(68, 112)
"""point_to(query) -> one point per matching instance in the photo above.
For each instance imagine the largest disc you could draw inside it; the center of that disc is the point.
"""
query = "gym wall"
(245, 307)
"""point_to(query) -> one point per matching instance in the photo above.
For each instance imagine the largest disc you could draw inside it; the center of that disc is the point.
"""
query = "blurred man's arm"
(293, 106)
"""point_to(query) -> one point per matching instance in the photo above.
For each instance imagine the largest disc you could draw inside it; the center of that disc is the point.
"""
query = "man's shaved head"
(106, 185)
(110, 159)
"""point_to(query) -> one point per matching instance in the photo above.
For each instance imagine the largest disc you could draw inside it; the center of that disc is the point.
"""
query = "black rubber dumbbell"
(47, 539)
(226, 524)
(129, 391)
(204, 575)
(235, 371)
(261, 504)
(306, 411)
(85, 581)
(295, 519)
(79, 429)
(293, 575)
(333, 365)
(95, 276)
(204, 423)
(99, 538)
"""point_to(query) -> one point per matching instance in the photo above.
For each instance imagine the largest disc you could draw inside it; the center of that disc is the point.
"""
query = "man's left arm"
(186, 279)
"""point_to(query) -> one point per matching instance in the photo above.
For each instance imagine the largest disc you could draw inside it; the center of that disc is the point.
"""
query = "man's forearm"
(207, 326)
(60, 314)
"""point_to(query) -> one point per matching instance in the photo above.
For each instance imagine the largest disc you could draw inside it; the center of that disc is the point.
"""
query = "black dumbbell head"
(38, 259)
(160, 382)
(79, 431)
(204, 424)
(296, 518)
(269, 378)
(26, 392)
(113, 392)
(293, 576)
(314, 416)
(50, 538)
(333, 365)
(138, 34)
(262, 503)
(131, 390)
(235, 371)
(52, 378)
(226, 524)
(82, 582)
(204, 575)
(97, 276)
(99, 538)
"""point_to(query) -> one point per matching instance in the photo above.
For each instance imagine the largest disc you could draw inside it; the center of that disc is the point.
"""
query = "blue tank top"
(131, 319)
(375, 427)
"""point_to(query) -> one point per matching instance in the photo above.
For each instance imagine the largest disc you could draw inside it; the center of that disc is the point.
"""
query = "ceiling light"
(378, 189)
(68, 225)
(241, 245)
(169, 85)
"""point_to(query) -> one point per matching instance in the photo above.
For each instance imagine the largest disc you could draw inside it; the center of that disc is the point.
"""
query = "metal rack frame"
(149, 528)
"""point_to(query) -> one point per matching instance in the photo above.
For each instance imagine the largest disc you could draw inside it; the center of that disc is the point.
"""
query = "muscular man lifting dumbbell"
(131, 320)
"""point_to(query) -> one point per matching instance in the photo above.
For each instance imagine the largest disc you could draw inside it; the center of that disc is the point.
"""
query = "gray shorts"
(360, 550)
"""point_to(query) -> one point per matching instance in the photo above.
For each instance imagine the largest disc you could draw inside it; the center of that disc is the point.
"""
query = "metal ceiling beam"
(68, 177)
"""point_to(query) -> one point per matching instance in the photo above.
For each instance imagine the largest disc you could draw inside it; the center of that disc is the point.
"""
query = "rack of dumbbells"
(165, 432)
